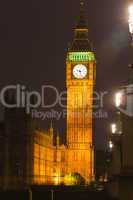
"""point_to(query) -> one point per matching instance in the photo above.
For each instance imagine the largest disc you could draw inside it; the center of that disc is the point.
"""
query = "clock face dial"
(79, 71)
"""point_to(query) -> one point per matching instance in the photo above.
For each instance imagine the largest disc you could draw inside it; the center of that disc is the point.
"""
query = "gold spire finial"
(81, 2)
(82, 15)
(82, 5)
(51, 130)
(57, 139)
(51, 124)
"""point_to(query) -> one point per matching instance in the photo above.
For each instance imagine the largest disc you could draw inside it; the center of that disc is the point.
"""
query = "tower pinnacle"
(51, 130)
(82, 22)
(80, 41)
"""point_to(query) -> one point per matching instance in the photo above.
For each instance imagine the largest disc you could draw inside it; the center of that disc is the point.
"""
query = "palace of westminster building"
(28, 155)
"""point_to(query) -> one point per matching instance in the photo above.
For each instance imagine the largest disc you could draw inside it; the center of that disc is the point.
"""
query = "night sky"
(34, 35)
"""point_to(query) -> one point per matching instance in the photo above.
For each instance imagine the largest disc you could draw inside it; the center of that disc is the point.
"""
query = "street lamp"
(111, 145)
(130, 21)
(113, 128)
(118, 99)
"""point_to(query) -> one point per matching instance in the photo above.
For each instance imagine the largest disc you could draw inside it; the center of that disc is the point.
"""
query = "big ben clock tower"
(80, 68)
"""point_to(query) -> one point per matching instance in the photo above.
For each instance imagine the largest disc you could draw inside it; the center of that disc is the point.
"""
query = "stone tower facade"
(80, 69)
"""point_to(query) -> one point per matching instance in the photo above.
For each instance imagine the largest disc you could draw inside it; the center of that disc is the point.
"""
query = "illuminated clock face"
(79, 71)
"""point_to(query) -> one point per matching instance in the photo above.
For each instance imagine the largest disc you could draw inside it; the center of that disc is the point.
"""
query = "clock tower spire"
(81, 38)
(80, 71)
(82, 22)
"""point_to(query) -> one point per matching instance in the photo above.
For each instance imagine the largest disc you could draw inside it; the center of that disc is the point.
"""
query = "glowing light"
(57, 179)
(130, 21)
(81, 56)
(118, 99)
(131, 9)
(69, 179)
(113, 128)
(111, 145)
